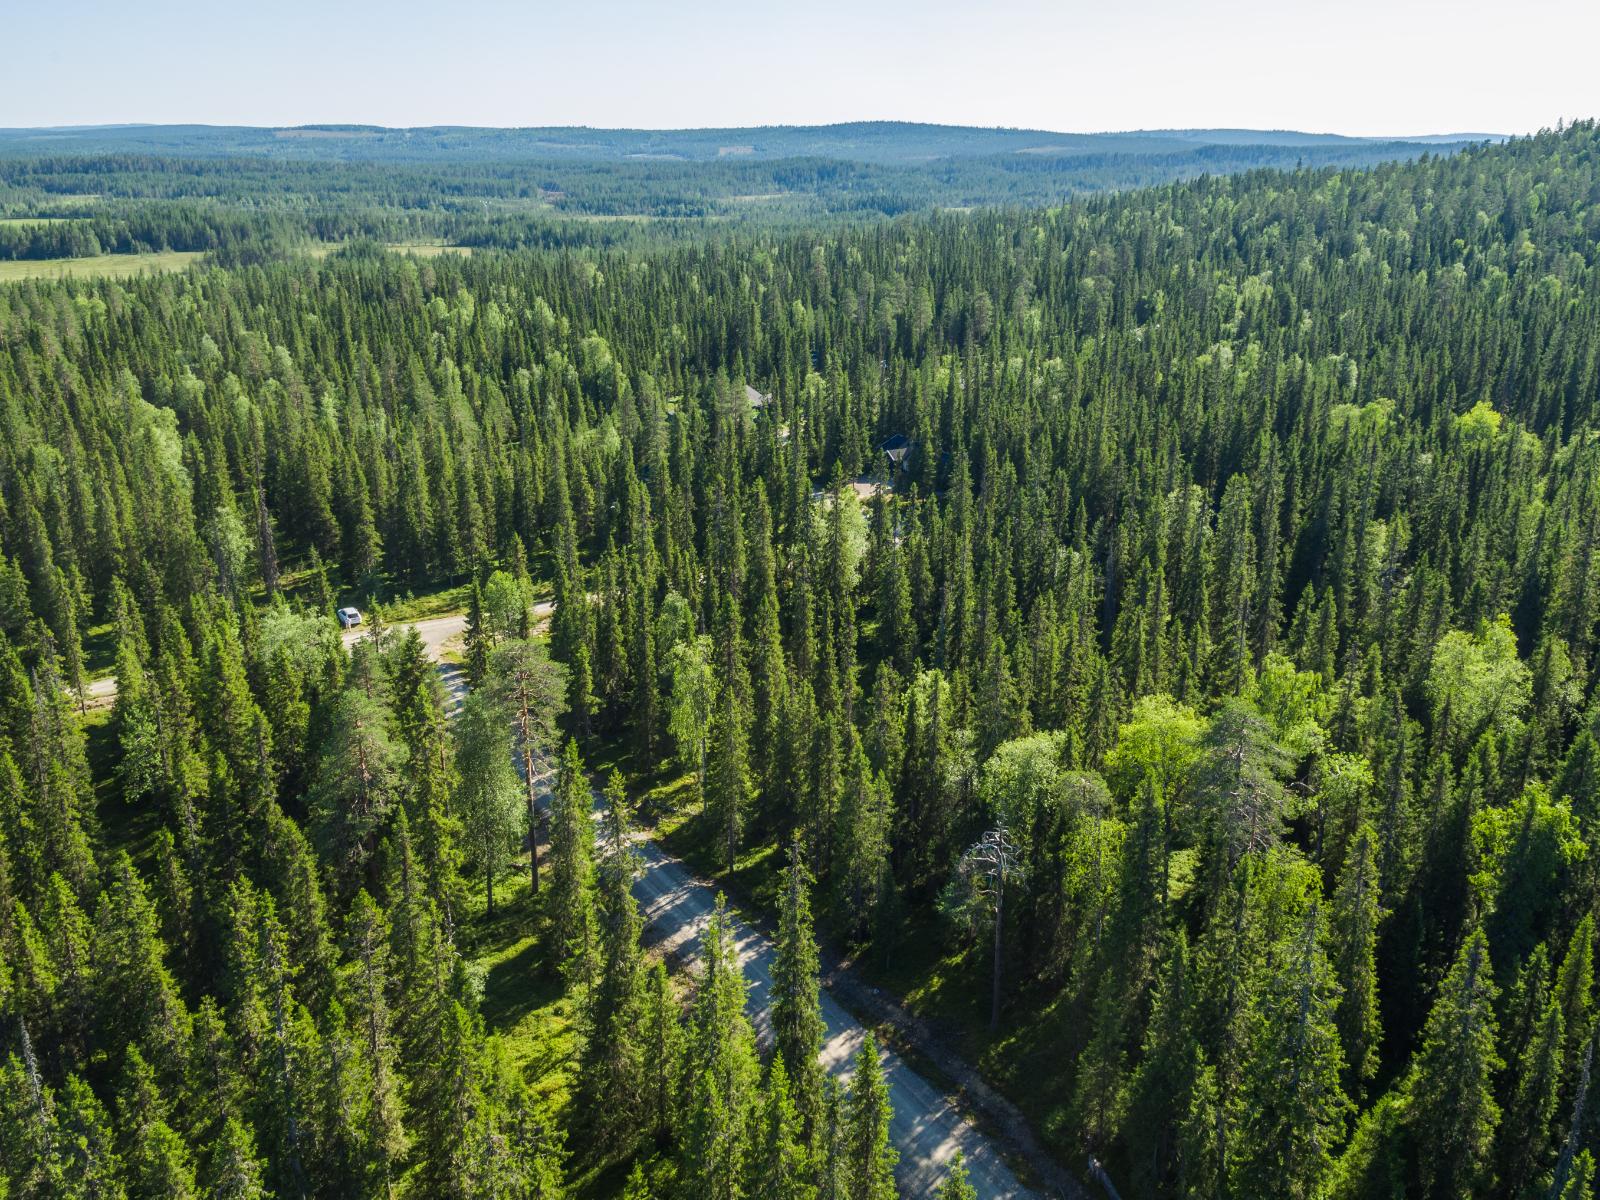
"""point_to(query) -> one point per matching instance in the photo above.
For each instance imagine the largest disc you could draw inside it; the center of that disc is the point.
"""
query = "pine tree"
(488, 798)
(358, 783)
(532, 689)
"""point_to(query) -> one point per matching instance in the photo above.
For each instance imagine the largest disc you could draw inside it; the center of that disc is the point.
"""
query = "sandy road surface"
(926, 1129)
(435, 632)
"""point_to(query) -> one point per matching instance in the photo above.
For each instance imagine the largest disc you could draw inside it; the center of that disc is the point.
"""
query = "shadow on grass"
(516, 985)
(123, 826)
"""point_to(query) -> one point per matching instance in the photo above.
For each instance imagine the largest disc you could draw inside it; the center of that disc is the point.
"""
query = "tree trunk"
(525, 720)
(999, 917)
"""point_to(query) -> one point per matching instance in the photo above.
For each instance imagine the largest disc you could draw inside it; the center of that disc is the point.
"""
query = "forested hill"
(1238, 597)
(860, 141)
(251, 194)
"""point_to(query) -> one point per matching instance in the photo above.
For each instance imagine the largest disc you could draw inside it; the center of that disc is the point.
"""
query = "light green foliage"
(1477, 682)
(1292, 702)
(1161, 740)
(692, 696)
(1480, 425)
(506, 602)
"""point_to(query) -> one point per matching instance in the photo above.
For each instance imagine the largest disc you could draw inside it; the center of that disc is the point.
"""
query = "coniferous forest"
(1159, 635)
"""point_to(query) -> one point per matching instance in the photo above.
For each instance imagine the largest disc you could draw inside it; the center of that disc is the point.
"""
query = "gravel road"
(927, 1128)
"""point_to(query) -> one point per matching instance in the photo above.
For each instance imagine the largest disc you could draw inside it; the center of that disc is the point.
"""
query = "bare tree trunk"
(999, 918)
(524, 722)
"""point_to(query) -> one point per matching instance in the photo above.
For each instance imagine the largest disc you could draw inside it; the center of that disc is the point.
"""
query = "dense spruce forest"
(1208, 687)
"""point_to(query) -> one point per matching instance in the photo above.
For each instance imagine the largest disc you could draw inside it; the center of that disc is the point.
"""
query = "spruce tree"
(957, 1185)
(727, 781)
(571, 902)
(869, 1159)
(1356, 914)
(780, 1167)
(613, 1067)
(797, 1023)
(1451, 1106)
(1294, 1109)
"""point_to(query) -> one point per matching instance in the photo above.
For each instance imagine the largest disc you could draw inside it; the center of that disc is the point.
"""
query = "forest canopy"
(1214, 677)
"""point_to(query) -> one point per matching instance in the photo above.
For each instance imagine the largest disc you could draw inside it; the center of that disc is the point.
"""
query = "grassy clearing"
(104, 266)
(440, 602)
(25, 222)
(427, 249)
(523, 1004)
(123, 826)
(99, 650)
(522, 993)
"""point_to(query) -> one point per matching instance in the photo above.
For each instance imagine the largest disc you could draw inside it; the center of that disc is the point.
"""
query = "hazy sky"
(1357, 66)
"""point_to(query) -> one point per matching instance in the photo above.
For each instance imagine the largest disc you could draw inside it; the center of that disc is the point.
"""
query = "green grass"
(427, 249)
(25, 222)
(99, 650)
(523, 1003)
(438, 602)
(123, 826)
(947, 987)
(523, 999)
(108, 266)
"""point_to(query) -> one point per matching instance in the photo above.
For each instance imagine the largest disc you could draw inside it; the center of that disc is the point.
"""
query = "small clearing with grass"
(102, 266)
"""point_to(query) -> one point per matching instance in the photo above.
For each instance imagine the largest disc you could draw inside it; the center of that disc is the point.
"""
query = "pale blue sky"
(1359, 66)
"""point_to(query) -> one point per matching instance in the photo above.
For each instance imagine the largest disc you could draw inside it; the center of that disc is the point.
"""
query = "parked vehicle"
(349, 618)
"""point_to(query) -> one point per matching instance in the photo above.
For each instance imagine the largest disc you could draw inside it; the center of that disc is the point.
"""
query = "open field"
(428, 249)
(109, 266)
(122, 266)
